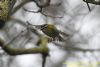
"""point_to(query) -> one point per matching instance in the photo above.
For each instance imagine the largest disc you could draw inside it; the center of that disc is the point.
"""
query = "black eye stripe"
(44, 26)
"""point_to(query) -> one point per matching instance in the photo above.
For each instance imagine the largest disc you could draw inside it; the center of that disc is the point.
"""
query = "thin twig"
(88, 6)
(32, 11)
(19, 6)
(40, 11)
(16, 37)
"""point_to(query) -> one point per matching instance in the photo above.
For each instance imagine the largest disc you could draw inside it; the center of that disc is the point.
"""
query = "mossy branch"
(16, 51)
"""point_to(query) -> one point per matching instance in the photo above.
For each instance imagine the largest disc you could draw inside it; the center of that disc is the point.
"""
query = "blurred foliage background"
(72, 17)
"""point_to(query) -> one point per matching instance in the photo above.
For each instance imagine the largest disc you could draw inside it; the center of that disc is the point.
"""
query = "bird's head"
(41, 27)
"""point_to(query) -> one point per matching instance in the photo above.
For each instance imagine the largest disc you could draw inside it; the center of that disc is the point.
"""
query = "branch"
(88, 6)
(33, 30)
(11, 5)
(42, 49)
(40, 11)
(72, 48)
(46, 3)
(51, 16)
(43, 43)
(97, 2)
(81, 49)
(42, 3)
(33, 11)
(16, 51)
(19, 6)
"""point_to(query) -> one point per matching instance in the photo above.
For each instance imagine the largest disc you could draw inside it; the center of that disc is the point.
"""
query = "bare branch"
(32, 11)
(19, 6)
(42, 13)
(96, 2)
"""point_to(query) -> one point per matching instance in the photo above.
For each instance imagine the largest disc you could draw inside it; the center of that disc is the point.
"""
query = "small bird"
(50, 30)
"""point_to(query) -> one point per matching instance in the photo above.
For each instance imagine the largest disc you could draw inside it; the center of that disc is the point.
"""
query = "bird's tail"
(60, 38)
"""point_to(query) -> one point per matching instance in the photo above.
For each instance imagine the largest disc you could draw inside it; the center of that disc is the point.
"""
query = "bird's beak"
(38, 27)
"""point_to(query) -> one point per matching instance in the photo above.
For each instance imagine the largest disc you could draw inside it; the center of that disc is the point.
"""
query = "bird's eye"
(42, 26)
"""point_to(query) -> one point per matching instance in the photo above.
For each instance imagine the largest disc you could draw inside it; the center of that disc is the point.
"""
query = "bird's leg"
(44, 56)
